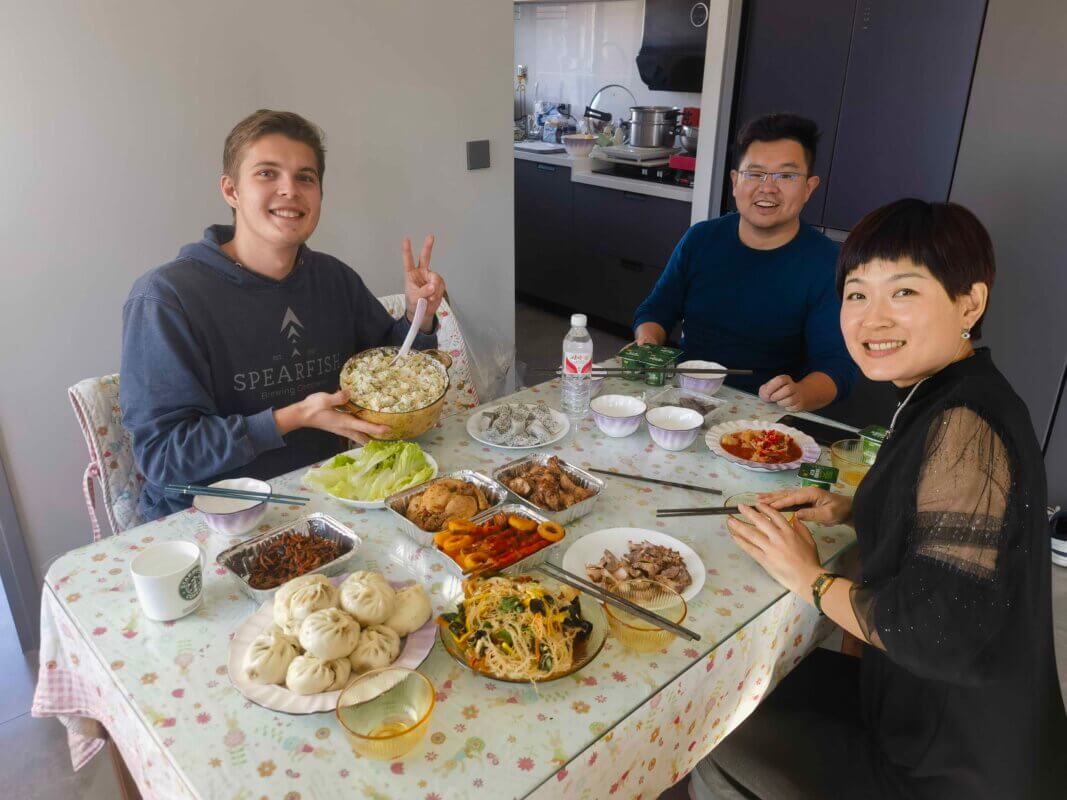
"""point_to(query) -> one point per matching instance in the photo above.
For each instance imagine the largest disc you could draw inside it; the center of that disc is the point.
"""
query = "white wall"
(572, 49)
(114, 115)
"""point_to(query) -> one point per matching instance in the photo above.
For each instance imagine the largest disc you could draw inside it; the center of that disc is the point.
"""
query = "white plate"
(558, 416)
(809, 447)
(354, 452)
(413, 652)
(590, 548)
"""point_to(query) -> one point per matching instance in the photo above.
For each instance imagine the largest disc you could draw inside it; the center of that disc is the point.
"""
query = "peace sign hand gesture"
(420, 282)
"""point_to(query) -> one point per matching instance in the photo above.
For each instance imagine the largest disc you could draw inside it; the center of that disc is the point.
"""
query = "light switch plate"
(478, 154)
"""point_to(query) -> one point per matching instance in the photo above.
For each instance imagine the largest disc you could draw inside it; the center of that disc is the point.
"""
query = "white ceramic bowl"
(579, 145)
(673, 427)
(617, 415)
(708, 384)
(233, 517)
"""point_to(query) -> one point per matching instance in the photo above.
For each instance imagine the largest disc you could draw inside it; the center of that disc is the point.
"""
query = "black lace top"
(960, 690)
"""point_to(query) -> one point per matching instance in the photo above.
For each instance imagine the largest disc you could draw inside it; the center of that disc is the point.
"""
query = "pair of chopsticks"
(236, 494)
(663, 513)
(591, 589)
(657, 481)
(611, 371)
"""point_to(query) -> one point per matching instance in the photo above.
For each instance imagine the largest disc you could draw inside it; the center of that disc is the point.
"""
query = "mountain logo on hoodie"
(292, 328)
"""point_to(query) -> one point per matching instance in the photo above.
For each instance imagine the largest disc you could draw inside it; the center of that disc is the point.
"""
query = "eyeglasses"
(752, 176)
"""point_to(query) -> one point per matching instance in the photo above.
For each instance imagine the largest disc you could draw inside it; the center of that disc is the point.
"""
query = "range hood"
(671, 57)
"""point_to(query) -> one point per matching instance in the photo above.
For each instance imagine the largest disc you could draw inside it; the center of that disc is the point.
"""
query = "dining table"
(627, 725)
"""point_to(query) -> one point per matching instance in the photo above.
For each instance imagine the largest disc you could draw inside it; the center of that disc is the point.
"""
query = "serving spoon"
(416, 324)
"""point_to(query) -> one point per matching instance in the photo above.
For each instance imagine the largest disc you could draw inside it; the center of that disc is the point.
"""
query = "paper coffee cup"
(169, 579)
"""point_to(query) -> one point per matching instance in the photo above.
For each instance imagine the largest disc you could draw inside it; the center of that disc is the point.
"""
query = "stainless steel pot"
(688, 134)
(653, 126)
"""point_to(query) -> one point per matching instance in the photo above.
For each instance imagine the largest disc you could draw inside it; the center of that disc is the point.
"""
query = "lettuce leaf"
(378, 470)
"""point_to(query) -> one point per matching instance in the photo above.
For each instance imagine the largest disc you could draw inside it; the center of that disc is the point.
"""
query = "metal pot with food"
(653, 126)
(407, 395)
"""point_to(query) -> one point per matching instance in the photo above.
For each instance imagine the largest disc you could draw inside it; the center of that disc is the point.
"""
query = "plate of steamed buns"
(299, 650)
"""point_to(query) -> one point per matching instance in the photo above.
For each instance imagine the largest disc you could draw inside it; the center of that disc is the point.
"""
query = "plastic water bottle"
(577, 368)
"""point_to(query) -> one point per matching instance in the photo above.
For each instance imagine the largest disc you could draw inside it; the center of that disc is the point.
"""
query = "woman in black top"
(956, 695)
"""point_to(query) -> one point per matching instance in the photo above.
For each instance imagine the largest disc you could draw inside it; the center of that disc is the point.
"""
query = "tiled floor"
(34, 760)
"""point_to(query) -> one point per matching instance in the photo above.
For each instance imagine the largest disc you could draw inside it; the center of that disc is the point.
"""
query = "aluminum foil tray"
(397, 504)
(237, 559)
(579, 476)
(520, 566)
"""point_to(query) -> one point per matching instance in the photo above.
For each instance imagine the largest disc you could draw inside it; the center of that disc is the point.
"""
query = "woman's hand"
(319, 410)
(824, 507)
(785, 549)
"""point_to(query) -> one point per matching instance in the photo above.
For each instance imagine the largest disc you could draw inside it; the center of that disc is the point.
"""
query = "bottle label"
(577, 363)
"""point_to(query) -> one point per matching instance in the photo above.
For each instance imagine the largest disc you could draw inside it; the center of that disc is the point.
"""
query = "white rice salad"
(374, 382)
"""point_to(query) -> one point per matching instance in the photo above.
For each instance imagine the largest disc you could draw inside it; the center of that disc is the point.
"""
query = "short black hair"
(945, 238)
(775, 127)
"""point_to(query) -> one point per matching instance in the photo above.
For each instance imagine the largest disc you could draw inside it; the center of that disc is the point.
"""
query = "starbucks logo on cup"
(189, 588)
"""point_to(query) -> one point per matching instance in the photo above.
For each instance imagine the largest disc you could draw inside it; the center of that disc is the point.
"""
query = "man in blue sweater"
(231, 353)
(755, 290)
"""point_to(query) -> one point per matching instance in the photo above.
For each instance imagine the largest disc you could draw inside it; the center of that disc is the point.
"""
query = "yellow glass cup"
(847, 456)
(384, 713)
(632, 631)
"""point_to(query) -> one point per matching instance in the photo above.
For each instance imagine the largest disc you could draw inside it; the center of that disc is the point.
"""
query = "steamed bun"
(269, 656)
(368, 597)
(310, 675)
(329, 633)
(412, 610)
(378, 647)
(300, 597)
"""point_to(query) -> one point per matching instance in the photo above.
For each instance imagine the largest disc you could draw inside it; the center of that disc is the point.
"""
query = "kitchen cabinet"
(543, 221)
(886, 81)
(622, 243)
(905, 95)
(590, 249)
(813, 37)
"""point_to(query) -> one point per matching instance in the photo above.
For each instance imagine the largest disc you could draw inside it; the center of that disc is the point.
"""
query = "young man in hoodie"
(231, 353)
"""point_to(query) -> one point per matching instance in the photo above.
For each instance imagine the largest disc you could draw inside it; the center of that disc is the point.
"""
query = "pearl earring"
(966, 334)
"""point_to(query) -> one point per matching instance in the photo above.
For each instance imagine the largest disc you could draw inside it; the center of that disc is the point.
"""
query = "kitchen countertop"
(607, 181)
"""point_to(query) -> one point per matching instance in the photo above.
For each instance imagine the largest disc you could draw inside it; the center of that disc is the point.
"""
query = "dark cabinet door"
(622, 242)
(634, 226)
(906, 89)
(543, 229)
(794, 56)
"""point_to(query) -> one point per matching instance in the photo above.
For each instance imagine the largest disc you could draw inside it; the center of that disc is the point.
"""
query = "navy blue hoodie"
(210, 349)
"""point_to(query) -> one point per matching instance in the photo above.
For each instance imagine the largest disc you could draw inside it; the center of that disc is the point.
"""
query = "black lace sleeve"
(941, 615)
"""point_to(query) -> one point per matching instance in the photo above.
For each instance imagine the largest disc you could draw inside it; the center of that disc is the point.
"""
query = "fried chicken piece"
(444, 500)
(520, 486)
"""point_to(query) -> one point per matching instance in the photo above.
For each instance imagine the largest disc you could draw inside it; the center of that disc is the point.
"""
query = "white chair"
(462, 391)
(111, 461)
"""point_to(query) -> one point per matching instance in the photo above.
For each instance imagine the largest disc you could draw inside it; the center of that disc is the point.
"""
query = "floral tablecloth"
(628, 725)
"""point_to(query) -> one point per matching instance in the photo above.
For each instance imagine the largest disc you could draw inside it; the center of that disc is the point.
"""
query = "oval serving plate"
(369, 504)
(478, 436)
(809, 447)
(413, 651)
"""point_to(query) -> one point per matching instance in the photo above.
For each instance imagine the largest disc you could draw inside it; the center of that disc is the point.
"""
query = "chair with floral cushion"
(462, 391)
(111, 461)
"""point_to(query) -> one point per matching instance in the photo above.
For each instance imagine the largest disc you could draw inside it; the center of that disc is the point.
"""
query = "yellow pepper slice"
(550, 531)
(521, 523)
